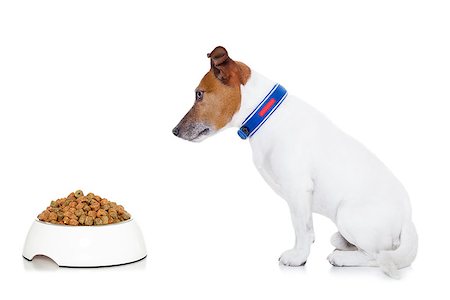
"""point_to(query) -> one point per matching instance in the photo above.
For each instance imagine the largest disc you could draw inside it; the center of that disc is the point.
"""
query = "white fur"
(317, 168)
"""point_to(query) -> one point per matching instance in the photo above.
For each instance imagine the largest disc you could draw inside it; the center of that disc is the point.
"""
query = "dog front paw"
(293, 258)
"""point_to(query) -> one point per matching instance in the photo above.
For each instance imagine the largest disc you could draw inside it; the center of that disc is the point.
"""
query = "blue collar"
(262, 112)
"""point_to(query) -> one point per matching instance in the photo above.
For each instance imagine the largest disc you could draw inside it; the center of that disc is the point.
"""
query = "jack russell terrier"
(310, 163)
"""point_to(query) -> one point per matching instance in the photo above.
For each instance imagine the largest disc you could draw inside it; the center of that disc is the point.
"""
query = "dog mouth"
(200, 135)
(193, 132)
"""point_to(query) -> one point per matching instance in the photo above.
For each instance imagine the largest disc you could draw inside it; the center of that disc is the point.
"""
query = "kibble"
(105, 220)
(81, 219)
(79, 210)
(78, 193)
(101, 212)
(89, 221)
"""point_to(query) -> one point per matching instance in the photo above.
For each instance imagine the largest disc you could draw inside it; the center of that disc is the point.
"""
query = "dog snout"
(176, 131)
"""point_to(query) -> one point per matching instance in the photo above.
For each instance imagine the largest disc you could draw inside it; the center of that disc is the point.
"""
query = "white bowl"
(86, 246)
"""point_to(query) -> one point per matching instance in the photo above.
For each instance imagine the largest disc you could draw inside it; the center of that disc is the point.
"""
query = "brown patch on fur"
(244, 72)
(220, 102)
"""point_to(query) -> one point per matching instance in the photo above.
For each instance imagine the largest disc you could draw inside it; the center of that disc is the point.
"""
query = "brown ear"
(218, 56)
(221, 64)
(227, 70)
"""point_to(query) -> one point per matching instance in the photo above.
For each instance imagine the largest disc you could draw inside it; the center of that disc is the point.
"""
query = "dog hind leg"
(340, 243)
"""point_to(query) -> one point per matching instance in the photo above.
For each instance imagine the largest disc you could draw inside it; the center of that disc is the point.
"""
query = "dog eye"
(198, 95)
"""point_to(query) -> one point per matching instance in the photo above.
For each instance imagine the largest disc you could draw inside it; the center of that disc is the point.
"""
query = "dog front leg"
(301, 215)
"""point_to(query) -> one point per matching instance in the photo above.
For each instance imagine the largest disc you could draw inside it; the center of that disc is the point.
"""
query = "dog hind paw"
(334, 259)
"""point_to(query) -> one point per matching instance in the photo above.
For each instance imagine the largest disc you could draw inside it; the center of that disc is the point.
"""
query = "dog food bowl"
(86, 246)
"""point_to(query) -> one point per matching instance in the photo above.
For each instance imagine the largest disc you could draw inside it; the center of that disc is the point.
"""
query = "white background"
(89, 93)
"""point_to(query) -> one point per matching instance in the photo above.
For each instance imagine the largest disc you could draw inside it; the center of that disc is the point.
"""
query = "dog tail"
(392, 260)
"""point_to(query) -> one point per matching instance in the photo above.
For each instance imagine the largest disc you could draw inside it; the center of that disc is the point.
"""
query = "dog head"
(217, 98)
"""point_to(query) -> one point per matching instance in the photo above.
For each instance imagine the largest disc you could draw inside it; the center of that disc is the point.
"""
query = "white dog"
(309, 162)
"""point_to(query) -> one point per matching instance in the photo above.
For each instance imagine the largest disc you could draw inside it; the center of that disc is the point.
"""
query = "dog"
(310, 163)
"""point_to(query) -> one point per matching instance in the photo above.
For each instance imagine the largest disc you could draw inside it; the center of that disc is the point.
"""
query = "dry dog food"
(78, 209)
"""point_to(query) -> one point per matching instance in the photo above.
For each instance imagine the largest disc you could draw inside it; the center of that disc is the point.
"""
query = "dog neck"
(252, 93)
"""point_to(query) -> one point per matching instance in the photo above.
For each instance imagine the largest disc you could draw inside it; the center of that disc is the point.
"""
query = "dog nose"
(176, 131)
